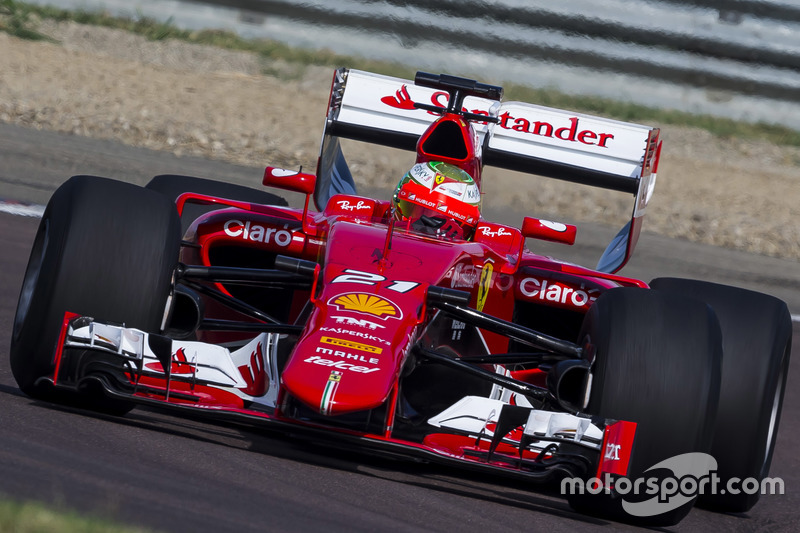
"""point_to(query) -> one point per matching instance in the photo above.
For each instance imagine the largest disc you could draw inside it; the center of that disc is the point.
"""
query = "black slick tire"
(656, 361)
(756, 341)
(104, 249)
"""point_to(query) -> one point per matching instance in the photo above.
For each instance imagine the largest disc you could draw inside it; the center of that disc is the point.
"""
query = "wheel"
(105, 249)
(756, 344)
(172, 186)
(656, 361)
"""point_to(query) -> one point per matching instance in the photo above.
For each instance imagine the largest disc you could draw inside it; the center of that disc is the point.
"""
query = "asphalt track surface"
(175, 474)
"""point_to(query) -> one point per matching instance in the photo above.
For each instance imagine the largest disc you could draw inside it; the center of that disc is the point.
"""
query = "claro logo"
(256, 233)
(551, 291)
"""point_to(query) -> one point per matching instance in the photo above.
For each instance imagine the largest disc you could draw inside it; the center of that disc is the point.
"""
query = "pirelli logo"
(351, 345)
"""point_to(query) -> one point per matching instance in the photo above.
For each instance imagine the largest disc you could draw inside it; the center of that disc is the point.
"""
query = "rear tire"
(173, 185)
(656, 362)
(756, 344)
(104, 249)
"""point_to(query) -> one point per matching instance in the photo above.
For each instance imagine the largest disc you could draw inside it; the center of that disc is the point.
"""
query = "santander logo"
(571, 132)
(565, 133)
(401, 99)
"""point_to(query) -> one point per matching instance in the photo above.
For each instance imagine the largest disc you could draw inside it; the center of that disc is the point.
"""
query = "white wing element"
(249, 372)
(385, 103)
(476, 416)
(530, 138)
(570, 138)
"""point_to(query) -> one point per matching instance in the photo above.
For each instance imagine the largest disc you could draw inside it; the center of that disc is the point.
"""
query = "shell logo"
(368, 304)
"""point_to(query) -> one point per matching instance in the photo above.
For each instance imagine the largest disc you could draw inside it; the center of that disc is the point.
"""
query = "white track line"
(23, 210)
(34, 210)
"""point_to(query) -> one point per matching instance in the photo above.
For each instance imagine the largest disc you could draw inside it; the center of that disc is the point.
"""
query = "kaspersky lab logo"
(692, 474)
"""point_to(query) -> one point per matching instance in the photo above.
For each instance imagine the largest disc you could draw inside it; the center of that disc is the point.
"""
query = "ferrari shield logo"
(483, 285)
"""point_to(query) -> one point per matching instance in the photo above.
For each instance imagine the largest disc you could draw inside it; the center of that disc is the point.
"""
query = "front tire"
(756, 344)
(104, 249)
(656, 361)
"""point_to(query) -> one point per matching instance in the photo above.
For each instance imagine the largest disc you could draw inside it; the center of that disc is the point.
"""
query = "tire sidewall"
(31, 344)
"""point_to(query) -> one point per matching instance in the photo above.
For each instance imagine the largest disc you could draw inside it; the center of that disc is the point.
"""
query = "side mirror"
(289, 180)
(549, 231)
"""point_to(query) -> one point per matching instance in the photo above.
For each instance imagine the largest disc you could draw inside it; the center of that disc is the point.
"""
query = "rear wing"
(528, 138)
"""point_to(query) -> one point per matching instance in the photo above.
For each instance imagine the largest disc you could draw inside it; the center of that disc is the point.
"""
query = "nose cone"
(333, 375)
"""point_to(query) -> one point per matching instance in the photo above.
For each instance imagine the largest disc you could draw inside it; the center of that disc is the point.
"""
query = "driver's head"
(439, 196)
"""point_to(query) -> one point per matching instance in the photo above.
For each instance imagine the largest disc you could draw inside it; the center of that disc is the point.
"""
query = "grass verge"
(20, 20)
(32, 517)
(17, 19)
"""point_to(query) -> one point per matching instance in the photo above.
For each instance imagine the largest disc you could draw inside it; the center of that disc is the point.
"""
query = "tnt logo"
(349, 321)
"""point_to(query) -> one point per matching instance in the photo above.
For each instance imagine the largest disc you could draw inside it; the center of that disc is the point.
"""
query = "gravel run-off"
(242, 108)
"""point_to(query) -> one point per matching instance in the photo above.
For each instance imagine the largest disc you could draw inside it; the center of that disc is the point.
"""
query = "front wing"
(506, 436)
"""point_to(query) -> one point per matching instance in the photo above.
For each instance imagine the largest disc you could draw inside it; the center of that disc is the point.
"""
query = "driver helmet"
(438, 196)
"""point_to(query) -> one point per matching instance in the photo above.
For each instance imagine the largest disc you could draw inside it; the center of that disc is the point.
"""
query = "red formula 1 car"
(409, 324)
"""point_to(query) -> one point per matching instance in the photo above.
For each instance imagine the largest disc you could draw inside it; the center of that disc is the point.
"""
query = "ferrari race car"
(410, 325)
